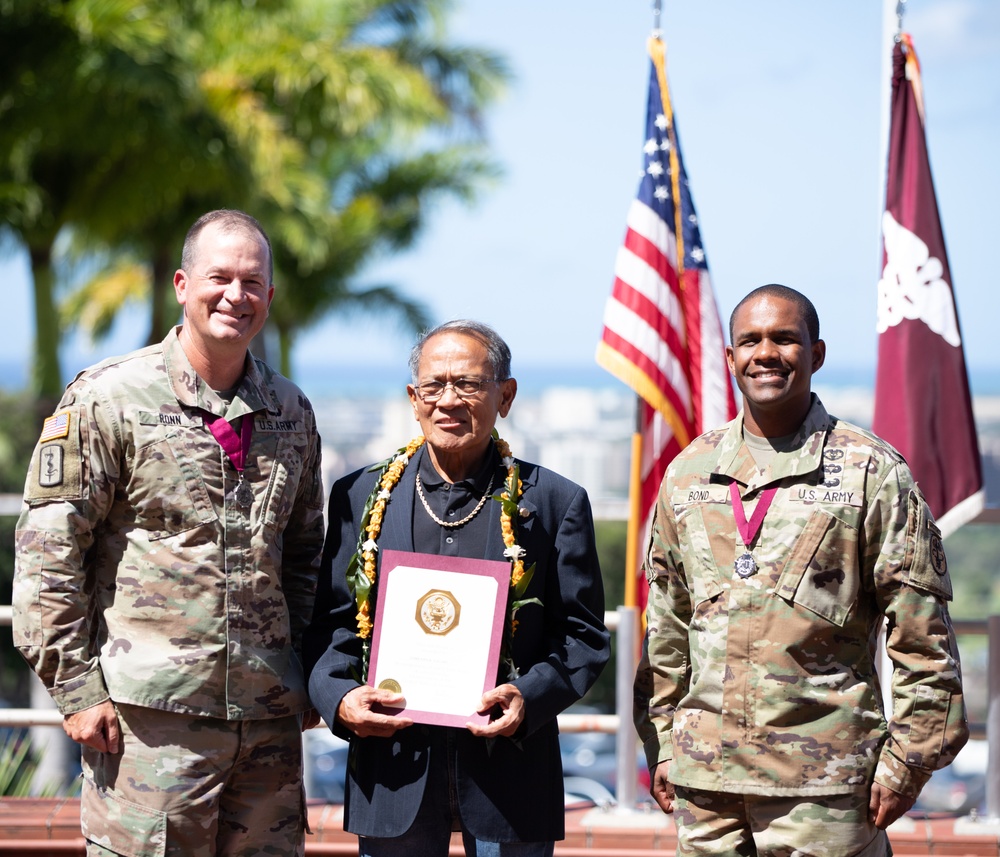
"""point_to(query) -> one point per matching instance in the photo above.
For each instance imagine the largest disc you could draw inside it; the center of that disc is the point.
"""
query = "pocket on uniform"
(286, 473)
(26, 589)
(704, 557)
(923, 742)
(821, 571)
(166, 505)
(878, 847)
(928, 566)
(121, 826)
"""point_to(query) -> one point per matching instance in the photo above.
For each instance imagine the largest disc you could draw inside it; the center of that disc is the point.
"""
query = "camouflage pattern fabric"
(195, 787)
(138, 576)
(767, 685)
(728, 825)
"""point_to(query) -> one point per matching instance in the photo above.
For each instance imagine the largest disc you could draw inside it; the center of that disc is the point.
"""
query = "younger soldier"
(780, 543)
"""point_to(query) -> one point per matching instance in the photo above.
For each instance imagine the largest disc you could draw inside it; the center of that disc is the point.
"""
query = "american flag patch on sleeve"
(55, 427)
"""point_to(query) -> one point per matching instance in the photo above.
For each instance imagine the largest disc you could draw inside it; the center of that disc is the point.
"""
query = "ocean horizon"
(323, 381)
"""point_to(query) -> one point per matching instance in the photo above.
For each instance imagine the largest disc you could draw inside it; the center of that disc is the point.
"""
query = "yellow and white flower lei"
(361, 569)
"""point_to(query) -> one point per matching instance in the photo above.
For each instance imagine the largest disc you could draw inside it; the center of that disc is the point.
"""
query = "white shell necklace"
(466, 519)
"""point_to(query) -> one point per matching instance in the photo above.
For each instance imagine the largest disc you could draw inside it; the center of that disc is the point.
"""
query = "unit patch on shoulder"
(50, 465)
(57, 469)
(939, 562)
(55, 427)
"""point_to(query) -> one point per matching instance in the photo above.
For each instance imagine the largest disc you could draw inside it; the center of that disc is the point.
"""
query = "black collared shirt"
(452, 502)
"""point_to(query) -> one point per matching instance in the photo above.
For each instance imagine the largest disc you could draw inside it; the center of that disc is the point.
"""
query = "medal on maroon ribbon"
(243, 493)
(746, 565)
(236, 447)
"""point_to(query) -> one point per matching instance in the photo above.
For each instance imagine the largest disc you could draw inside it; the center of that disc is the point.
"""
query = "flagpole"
(892, 26)
(632, 561)
(625, 742)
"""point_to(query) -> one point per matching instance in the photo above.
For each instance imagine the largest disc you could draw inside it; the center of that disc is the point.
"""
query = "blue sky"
(778, 106)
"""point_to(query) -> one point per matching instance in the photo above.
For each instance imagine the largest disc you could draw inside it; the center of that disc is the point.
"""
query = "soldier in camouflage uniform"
(757, 696)
(167, 558)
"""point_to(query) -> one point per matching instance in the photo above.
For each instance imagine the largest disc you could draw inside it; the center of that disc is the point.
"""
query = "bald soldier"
(781, 541)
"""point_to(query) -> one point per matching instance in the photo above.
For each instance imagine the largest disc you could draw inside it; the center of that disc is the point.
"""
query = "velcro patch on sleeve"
(56, 426)
(929, 566)
(56, 466)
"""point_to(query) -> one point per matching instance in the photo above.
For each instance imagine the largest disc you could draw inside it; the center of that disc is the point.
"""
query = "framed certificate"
(438, 627)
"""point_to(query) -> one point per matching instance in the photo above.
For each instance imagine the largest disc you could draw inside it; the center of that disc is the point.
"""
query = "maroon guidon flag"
(923, 406)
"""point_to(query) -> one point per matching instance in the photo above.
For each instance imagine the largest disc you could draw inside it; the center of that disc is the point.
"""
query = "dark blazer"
(509, 790)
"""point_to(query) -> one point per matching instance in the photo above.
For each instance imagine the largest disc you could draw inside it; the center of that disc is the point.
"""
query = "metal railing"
(10, 505)
(567, 722)
(625, 622)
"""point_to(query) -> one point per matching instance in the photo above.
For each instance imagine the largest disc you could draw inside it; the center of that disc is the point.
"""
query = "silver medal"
(746, 566)
(243, 494)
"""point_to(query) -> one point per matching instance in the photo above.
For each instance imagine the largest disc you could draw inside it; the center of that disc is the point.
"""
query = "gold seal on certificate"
(390, 684)
(438, 612)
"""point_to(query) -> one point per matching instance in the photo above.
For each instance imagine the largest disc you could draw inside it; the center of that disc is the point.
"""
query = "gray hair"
(229, 220)
(497, 351)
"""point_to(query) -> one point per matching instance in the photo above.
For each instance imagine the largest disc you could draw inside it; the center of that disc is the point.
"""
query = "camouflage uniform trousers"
(767, 826)
(187, 786)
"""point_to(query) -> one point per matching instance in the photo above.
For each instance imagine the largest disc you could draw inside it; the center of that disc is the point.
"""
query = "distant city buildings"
(583, 433)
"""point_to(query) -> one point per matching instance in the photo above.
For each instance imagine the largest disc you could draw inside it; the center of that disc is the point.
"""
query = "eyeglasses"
(464, 388)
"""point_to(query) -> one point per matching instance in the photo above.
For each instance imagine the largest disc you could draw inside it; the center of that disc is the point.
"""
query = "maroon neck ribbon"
(235, 446)
(748, 529)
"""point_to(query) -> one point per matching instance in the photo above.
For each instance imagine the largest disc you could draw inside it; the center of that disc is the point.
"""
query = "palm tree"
(385, 206)
(95, 101)
(326, 118)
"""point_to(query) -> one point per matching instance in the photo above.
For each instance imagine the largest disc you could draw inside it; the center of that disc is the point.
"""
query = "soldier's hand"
(661, 788)
(356, 714)
(886, 806)
(96, 727)
(310, 719)
(511, 704)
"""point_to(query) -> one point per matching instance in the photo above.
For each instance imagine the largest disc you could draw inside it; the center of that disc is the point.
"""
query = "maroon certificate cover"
(438, 627)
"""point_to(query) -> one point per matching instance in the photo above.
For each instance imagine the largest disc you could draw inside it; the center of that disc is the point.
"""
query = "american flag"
(55, 427)
(662, 334)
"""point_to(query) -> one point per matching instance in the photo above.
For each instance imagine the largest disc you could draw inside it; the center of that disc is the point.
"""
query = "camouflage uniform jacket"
(767, 685)
(138, 577)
